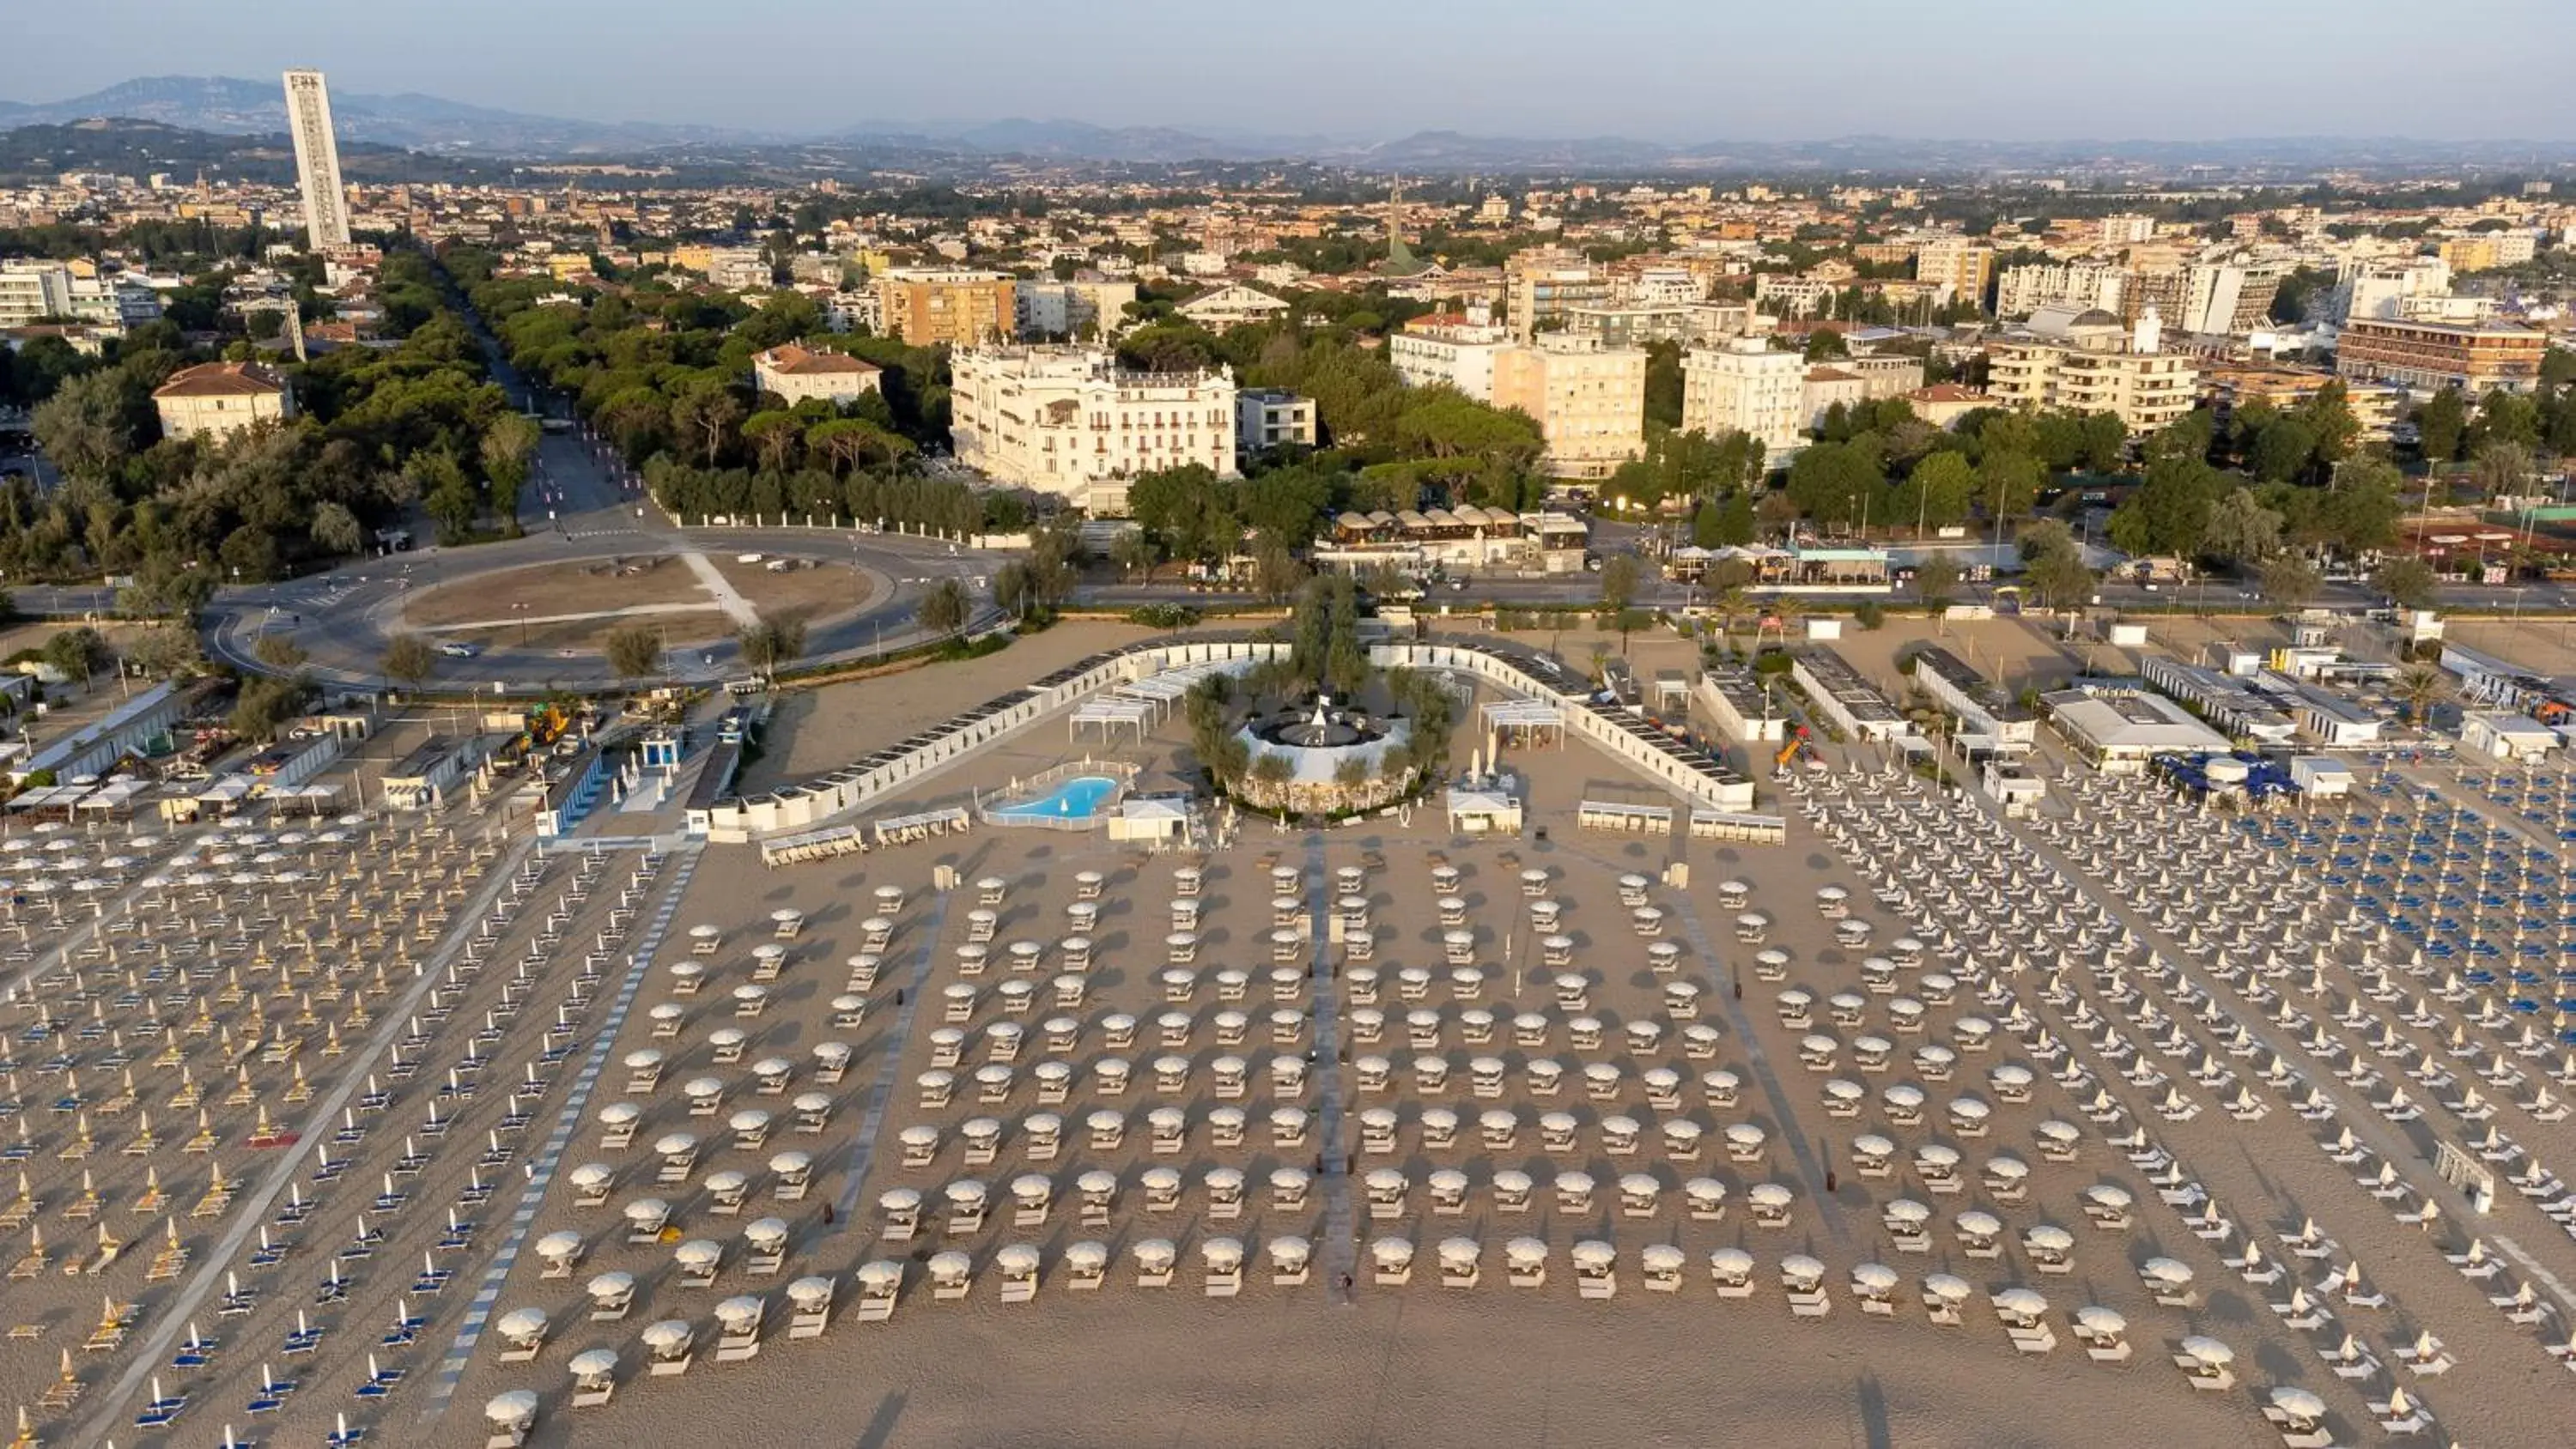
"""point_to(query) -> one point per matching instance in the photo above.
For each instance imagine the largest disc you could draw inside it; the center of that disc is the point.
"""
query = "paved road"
(343, 619)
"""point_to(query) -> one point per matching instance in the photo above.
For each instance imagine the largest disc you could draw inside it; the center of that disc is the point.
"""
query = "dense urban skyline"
(1993, 69)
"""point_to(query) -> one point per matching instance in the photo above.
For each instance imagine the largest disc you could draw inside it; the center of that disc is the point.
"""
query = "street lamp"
(521, 609)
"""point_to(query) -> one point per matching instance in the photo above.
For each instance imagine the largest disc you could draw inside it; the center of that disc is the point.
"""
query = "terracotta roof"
(1947, 392)
(798, 361)
(1831, 374)
(222, 379)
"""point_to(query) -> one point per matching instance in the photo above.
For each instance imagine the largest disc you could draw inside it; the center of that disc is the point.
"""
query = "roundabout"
(530, 615)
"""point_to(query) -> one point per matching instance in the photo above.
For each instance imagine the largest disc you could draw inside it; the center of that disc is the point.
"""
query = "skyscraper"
(317, 160)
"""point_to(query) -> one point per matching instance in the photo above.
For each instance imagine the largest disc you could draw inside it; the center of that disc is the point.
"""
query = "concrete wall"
(810, 803)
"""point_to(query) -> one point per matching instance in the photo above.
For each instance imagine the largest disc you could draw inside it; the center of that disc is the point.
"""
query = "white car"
(459, 651)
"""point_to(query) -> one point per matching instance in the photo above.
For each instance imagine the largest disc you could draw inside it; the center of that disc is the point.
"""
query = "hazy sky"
(1659, 69)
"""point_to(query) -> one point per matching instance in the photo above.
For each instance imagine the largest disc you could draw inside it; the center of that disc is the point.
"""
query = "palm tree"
(2421, 686)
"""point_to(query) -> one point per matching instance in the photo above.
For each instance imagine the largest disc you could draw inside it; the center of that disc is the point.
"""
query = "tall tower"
(317, 160)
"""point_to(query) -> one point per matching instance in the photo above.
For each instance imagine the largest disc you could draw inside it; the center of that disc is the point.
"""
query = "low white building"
(1070, 421)
(2118, 731)
(2513, 738)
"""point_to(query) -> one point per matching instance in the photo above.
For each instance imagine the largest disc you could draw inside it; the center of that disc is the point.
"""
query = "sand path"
(727, 597)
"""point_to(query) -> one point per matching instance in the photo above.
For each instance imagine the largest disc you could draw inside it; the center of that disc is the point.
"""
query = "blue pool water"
(1076, 799)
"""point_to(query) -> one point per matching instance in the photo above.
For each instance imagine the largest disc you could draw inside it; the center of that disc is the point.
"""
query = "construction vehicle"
(1796, 745)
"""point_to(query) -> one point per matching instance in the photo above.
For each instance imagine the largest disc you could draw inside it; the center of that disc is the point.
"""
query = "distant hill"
(231, 106)
(139, 148)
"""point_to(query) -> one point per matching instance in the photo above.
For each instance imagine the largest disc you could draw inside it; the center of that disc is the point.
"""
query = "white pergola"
(1524, 719)
(1113, 714)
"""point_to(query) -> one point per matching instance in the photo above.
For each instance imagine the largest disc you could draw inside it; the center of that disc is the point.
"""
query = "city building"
(1963, 264)
(219, 399)
(854, 311)
(929, 306)
(738, 269)
(317, 160)
(2020, 291)
(2230, 386)
(2382, 290)
(2425, 357)
(1544, 284)
(2487, 250)
(1068, 420)
(1944, 403)
(2227, 297)
(1071, 309)
(1825, 387)
(42, 291)
(1449, 348)
(797, 373)
(2101, 368)
(1272, 418)
(2123, 229)
(1745, 387)
(1588, 400)
(1232, 305)
(1631, 325)
(1780, 295)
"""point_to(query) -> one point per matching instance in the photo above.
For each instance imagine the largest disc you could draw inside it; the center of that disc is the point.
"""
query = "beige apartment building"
(218, 399)
(1588, 400)
(929, 306)
(1543, 285)
(1071, 422)
(1746, 387)
(1963, 264)
(2145, 390)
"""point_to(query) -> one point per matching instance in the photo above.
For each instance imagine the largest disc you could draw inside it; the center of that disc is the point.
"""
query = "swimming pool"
(1079, 798)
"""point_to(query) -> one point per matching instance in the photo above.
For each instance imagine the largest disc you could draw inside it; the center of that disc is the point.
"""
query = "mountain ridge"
(419, 121)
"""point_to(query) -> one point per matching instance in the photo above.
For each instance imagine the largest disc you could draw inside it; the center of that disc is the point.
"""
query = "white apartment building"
(1660, 287)
(852, 311)
(317, 160)
(1745, 387)
(2084, 286)
(1778, 294)
(1448, 348)
(1272, 418)
(2145, 389)
(2127, 229)
(1069, 421)
(2225, 297)
(738, 269)
(33, 291)
(2380, 291)
(1070, 309)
